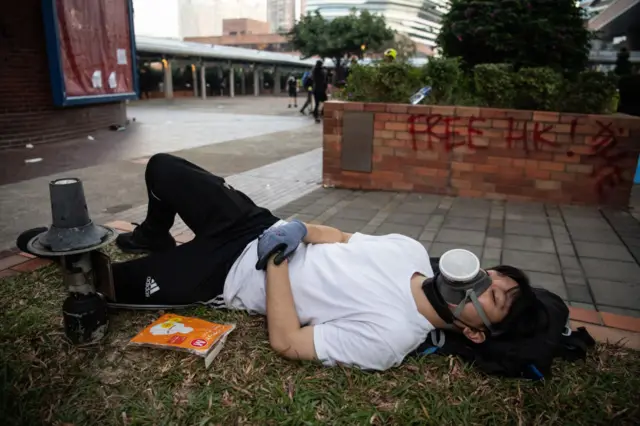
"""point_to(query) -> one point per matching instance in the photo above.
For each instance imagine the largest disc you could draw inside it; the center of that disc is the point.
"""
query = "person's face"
(496, 302)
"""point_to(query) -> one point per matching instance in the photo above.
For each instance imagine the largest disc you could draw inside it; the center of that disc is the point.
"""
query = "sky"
(160, 18)
(156, 18)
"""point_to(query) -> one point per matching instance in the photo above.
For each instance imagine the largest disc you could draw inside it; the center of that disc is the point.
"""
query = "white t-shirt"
(357, 295)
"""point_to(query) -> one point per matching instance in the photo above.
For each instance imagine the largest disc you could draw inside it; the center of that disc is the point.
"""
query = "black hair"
(522, 319)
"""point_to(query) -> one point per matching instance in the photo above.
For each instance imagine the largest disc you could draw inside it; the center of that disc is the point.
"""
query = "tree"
(340, 38)
(623, 64)
(523, 33)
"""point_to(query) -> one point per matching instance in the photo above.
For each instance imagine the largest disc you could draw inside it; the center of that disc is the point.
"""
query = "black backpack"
(529, 357)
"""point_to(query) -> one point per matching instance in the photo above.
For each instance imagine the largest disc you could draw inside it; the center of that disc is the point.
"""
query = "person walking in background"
(292, 85)
(319, 88)
(307, 85)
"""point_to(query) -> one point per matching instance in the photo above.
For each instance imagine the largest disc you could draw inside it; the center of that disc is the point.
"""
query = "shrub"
(591, 92)
(537, 88)
(446, 79)
(494, 85)
(385, 82)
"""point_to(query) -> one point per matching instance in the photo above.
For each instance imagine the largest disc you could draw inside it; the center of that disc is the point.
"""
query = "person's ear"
(476, 336)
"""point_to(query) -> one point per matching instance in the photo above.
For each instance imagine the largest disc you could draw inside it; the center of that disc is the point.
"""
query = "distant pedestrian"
(292, 85)
(319, 88)
(307, 85)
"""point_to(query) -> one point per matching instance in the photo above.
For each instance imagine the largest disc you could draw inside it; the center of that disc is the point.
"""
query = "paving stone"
(531, 229)
(583, 305)
(438, 248)
(586, 222)
(569, 262)
(575, 277)
(396, 228)
(620, 311)
(346, 225)
(474, 238)
(489, 262)
(580, 211)
(579, 293)
(532, 261)
(526, 218)
(565, 249)
(435, 222)
(493, 253)
(498, 224)
(425, 208)
(314, 209)
(408, 219)
(493, 242)
(561, 239)
(551, 282)
(426, 245)
(611, 270)
(469, 212)
(473, 224)
(356, 213)
(617, 294)
(428, 235)
(366, 203)
(606, 236)
(528, 243)
(603, 251)
(476, 203)
(495, 233)
(9, 261)
(423, 198)
(496, 216)
(31, 265)
(302, 217)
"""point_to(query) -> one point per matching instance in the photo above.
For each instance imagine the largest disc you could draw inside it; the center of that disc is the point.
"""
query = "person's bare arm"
(286, 336)
(321, 234)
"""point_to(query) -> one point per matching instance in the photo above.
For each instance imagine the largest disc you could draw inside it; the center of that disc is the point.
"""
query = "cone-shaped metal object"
(72, 230)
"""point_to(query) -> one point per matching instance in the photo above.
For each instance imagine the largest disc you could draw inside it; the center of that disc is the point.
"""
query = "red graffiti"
(538, 136)
(523, 137)
(604, 145)
(473, 131)
(608, 174)
(448, 134)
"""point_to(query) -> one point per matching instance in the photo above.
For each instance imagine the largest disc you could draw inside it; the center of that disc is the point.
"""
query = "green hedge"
(488, 85)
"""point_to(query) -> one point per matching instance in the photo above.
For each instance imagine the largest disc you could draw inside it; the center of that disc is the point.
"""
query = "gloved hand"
(283, 240)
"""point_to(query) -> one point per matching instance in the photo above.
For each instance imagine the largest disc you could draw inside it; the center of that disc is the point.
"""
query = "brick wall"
(27, 114)
(485, 152)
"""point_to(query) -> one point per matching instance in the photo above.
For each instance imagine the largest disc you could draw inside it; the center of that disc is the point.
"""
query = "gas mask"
(460, 281)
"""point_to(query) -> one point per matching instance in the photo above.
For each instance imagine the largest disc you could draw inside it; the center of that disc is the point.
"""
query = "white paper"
(96, 79)
(121, 54)
(112, 80)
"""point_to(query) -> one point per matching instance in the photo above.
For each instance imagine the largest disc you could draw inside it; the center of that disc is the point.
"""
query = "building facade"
(283, 14)
(417, 19)
(248, 34)
(199, 18)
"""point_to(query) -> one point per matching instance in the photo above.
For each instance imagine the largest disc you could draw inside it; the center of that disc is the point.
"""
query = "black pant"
(318, 98)
(223, 220)
(308, 102)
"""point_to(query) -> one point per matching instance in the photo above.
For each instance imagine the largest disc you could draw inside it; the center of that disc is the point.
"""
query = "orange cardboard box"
(193, 335)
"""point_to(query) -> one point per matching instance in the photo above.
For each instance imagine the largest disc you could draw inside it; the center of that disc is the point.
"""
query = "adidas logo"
(151, 287)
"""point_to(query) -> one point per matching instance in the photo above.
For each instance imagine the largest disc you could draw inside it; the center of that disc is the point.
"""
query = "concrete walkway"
(115, 181)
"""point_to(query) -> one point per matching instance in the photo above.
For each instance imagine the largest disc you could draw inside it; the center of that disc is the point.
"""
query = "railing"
(610, 56)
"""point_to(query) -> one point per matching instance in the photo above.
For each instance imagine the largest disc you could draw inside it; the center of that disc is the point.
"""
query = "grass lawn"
(44, 380)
